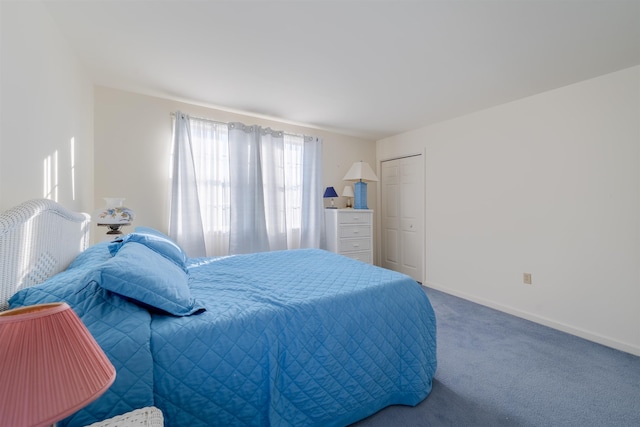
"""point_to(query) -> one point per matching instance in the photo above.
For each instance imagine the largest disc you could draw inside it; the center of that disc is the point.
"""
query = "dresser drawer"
(354, 231)
(351, 245)
(360, 256)
(354, 217)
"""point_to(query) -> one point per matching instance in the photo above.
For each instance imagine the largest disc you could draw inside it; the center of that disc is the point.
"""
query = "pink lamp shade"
(50, 365)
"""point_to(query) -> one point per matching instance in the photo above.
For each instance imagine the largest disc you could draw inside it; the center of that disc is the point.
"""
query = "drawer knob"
(356, 245)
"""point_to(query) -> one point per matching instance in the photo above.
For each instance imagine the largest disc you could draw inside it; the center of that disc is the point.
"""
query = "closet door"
(402, 216)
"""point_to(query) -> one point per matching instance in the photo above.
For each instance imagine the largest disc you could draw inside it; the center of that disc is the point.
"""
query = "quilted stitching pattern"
(287, 341)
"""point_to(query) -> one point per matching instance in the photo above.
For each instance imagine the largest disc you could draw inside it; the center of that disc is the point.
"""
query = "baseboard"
(627, 348)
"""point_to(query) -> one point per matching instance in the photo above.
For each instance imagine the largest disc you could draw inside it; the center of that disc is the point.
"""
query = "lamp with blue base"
(360, 172)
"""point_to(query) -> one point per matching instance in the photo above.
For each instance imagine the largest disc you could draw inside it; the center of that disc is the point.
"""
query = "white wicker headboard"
(38, 239)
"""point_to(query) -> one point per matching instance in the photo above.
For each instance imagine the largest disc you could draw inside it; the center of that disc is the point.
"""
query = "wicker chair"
(143, 417)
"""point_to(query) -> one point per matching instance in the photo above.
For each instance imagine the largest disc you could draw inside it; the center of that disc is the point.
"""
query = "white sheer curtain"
(312, 208)
(248, 215)
(211, 159)
(185, 220)
(257, 189)
(293, 154)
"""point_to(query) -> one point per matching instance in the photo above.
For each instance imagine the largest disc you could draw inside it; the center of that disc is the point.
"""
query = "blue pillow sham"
(148, 277)
(155, 240)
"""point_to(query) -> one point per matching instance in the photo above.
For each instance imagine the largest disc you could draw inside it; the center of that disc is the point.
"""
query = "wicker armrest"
(143, 417)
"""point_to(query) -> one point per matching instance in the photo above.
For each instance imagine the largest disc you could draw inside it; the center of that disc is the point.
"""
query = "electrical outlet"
(526, 278)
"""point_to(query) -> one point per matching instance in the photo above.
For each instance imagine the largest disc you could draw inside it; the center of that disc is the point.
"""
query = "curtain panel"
(185, 221)
(256, 163)
(312, 216)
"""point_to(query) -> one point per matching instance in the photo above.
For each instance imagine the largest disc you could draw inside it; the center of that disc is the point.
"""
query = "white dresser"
(350, 232)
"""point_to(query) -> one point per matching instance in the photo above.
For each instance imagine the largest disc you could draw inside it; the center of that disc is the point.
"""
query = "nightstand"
(350, 233)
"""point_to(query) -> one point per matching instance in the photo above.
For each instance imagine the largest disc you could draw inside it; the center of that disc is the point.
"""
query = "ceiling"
(365, 68)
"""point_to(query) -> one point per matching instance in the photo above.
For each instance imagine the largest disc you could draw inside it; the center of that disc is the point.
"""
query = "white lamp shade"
(114, 213)
(360, 171)
(348, 191)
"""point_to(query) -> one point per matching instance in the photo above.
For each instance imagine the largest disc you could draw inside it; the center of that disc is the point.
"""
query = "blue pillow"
(155, 240)
(143, 275)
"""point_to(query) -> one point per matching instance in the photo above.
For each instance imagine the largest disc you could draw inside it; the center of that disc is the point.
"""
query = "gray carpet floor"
(495, 369)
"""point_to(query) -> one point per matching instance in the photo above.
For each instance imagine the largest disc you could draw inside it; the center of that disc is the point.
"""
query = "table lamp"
(360, 172)
(50, 365)
(348, 193)
(114, 215)
(330, 193)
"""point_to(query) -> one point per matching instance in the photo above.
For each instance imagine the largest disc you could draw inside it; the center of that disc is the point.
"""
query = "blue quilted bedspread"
(298, 338)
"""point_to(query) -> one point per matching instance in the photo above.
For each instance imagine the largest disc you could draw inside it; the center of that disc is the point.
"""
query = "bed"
(303, 337)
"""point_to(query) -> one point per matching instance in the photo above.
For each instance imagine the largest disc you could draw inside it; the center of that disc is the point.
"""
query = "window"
(210, 147)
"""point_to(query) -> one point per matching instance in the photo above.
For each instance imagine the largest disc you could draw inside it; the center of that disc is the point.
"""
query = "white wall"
(132, 149)
(46, 102)
(548, 185)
